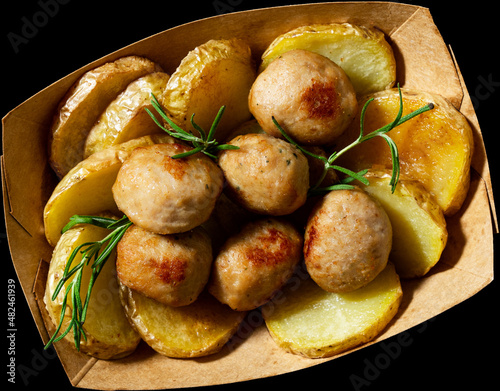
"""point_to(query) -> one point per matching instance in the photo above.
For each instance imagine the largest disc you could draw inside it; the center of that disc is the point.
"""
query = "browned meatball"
(310, 96)
(347, 241)
(166, 195)
(172, 269)
(255, 263)
(265, 175)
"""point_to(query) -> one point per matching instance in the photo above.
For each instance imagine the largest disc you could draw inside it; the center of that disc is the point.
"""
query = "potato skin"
(83, 104)
(199, 329)
(172, 269)
(216, 73)
(347, 241)
(266, 175)
(166, 195)
(361, 51)
(310, 96)
(126, 117)
(253, 264)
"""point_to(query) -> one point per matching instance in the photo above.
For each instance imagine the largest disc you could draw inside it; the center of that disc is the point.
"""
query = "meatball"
(347, 240)
(310, 96)
(255, 263)
(265, 175)
(172, 269)
(166, 195)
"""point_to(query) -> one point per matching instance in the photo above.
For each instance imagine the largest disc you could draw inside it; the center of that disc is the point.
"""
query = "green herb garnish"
(94, 254)
(351, 175)
(204, 143)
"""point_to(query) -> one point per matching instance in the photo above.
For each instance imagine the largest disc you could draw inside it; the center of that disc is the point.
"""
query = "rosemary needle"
(351, 175)
(205, 143)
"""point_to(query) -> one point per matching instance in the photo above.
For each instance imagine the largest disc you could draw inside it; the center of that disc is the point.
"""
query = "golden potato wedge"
(198, 329)
(84, 102)
(362, 52)
(109, 334)
(86, 189)
(126, 117)
(217, 73)
(435, 147)
(311, 322)
(418, 224)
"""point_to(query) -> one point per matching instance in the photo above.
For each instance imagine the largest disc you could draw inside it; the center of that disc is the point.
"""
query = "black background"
(455, 349)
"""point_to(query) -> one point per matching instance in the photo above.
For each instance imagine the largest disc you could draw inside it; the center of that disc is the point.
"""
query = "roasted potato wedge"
(311, 322)
(418, 224)
(362, 52)
(109, 334)
(217, 73)
(84, 102)
(126, 117)
(435, 147)
(86, 189)
(198, 329)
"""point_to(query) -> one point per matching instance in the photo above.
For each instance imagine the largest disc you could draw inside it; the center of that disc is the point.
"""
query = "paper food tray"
(424, 61)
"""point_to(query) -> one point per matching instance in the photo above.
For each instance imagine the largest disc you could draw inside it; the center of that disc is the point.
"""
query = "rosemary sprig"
(204, 143)
(351, 175)
(97, 253)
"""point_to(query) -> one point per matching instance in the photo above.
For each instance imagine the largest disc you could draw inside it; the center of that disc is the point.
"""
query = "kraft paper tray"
(424, 62)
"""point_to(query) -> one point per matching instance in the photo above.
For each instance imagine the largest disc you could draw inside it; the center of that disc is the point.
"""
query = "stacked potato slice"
(83, 104)
(99, 122)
